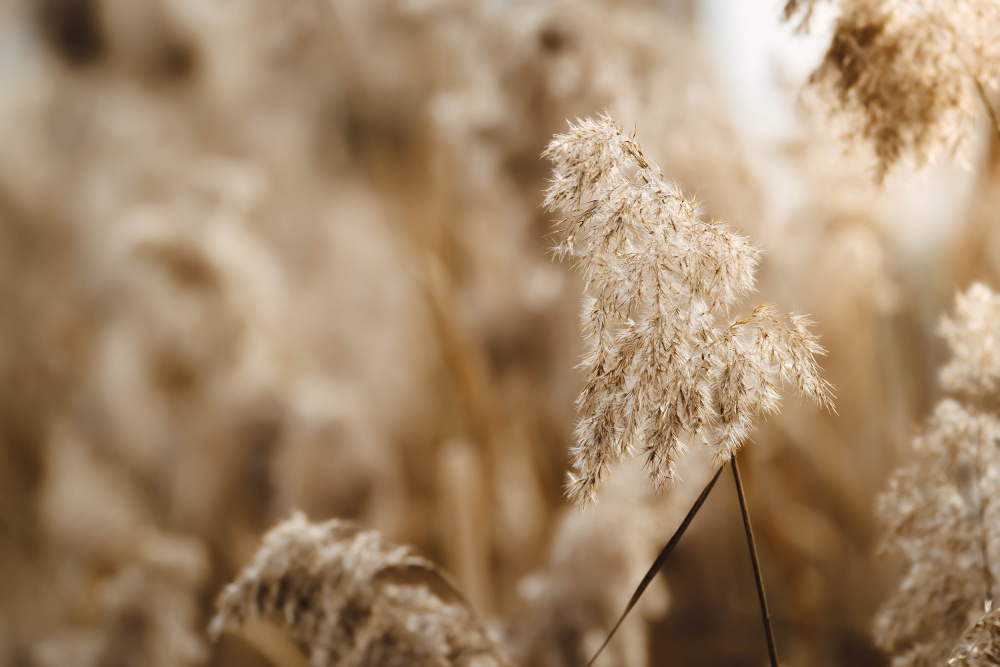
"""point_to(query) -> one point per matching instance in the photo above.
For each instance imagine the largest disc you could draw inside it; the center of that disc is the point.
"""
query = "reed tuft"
(980, 646)
(349, 597)
(665, 363)
(907, 77)
(939, 509)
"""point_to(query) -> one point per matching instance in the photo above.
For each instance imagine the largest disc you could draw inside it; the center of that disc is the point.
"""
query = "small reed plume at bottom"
(348, 597)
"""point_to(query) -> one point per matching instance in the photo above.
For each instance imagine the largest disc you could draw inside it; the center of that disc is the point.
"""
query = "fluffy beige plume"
(974, 368)
(905, 75)
(980, 646)
(661, 368)
(348, 597)
(938, 509)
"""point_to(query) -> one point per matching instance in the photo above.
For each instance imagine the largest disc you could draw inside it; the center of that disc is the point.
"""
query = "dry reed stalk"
(765, 614)
(661, 368)
(660, 561)
(568, 608)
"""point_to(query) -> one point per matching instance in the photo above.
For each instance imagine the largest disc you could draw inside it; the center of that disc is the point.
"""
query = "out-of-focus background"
(260, 255)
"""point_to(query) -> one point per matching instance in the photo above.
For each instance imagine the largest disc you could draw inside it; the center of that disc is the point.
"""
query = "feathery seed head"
(980, 646)
(351, 598)
(973, 337)
(661, 370)
(939, 510)
(903, 74)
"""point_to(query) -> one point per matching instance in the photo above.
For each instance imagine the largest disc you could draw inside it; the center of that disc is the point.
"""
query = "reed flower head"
(973, 336)
(351, 598)
(939, 509)
(980, 646)
(664, 362)
(902, 74)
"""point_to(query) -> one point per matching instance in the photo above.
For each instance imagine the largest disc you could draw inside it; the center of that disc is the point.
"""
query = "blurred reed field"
(284, 265)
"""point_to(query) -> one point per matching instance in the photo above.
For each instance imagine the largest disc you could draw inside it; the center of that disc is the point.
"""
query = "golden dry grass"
(260, 257)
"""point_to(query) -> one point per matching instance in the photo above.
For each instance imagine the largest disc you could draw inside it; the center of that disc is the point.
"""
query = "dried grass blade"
(765, 615)
(660, 560)
(990, 111)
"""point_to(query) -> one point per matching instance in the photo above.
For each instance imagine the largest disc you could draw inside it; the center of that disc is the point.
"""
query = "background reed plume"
(941, 508)
(350, 598)
(909, 78)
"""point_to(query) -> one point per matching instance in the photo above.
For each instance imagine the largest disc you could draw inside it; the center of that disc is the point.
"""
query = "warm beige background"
(259, 256)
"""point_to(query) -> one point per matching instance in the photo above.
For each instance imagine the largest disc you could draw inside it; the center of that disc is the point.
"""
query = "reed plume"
(906, 76)
(939, 509)
(980, 646)
(348, 597)
(664, 363)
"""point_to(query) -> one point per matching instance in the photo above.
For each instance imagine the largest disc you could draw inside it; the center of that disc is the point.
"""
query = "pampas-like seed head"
(351, 598)
(980, 645)
(972, 335)
(940, 509)
(661, 367)
(904, 74)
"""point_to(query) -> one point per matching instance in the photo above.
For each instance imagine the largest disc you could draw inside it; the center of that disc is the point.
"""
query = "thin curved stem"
(983, 540)
(661, 559)
(764, 613)
(990, 111)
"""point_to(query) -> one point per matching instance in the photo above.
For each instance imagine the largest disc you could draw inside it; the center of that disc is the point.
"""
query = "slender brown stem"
(987, 574)
(660, 560)
(983, 541)
(765, 614)
(990, 111)
(979, 472)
